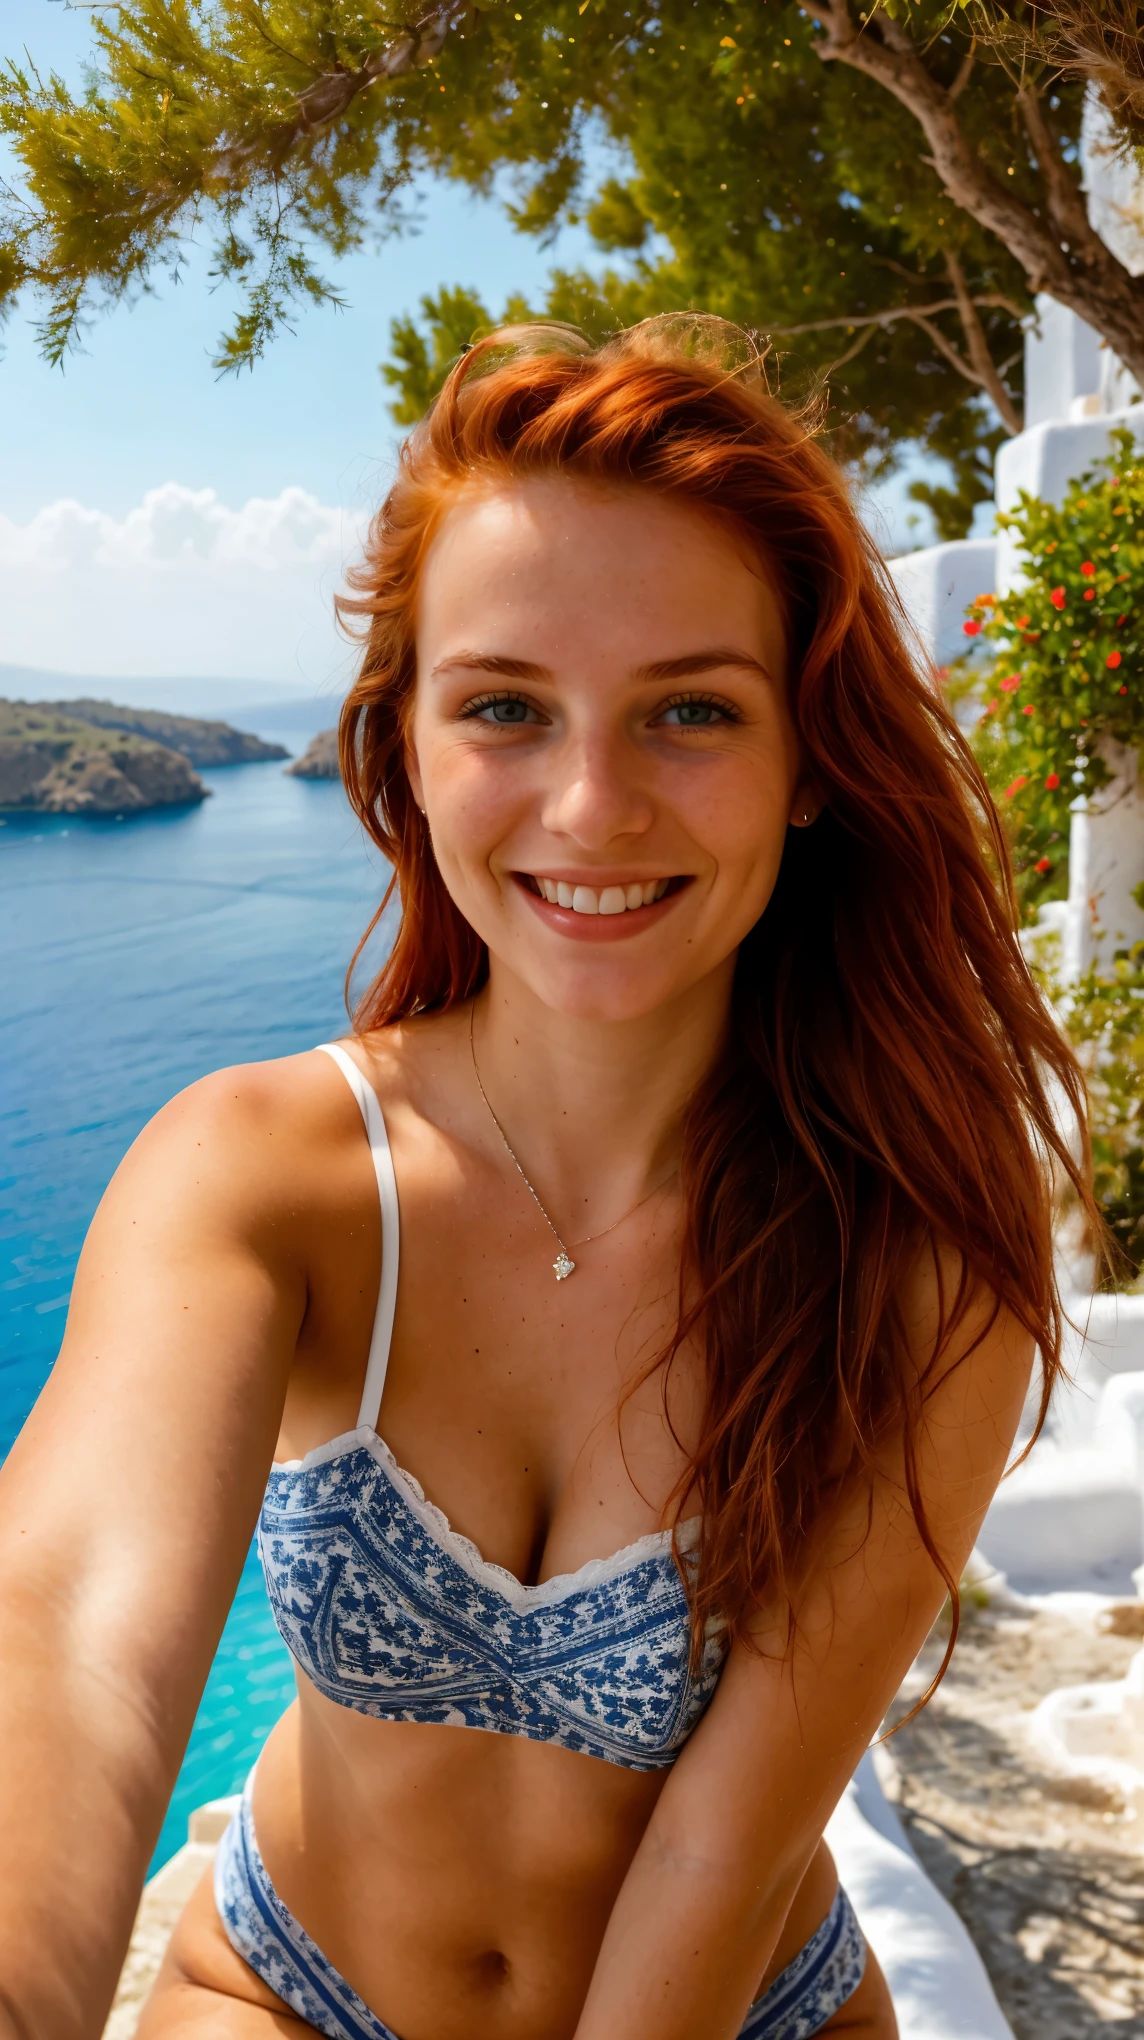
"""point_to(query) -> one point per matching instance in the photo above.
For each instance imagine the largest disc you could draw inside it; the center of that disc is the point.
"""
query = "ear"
(806, 805)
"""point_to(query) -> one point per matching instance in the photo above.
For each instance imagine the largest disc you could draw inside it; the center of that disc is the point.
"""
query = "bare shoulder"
(257, 1148)
(267, 1147)
(420, 1068)
(962, 1337)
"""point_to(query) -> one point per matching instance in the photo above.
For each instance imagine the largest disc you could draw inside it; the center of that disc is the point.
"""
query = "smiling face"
(601, 739)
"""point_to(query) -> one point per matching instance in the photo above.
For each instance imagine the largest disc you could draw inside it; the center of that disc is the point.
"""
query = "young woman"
(621, 1334)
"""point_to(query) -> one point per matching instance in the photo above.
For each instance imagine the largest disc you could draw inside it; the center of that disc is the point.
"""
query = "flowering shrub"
(1103, 1015)
(1067, 661)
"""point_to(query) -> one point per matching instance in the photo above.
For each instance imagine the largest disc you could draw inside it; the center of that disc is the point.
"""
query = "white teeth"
(611, 899)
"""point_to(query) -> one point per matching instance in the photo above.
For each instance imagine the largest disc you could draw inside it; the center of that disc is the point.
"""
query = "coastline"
(88, 757)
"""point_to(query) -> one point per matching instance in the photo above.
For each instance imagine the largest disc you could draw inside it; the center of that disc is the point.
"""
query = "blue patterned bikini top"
(388, 1610)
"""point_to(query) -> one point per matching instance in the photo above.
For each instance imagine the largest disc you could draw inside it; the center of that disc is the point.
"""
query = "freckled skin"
(473, 1886)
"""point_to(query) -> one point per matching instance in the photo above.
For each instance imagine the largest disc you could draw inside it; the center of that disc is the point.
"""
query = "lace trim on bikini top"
(391, 1611)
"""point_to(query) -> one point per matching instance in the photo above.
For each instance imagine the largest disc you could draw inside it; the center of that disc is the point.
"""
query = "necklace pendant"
(563, 1265)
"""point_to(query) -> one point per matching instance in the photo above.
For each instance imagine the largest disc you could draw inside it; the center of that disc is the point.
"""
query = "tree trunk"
(1059, 251)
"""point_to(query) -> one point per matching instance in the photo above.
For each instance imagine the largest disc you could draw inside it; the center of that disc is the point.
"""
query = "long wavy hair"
(893, 1081)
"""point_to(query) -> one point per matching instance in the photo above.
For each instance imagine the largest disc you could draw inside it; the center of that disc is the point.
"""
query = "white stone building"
(1076, 393)
(1073, 1514)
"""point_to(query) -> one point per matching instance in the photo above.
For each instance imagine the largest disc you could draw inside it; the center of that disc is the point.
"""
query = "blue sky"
(142, 405)
(158, 520)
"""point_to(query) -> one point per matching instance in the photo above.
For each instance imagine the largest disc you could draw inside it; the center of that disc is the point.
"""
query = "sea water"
(136, 955)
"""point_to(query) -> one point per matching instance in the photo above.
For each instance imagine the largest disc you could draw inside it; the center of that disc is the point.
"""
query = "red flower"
(1042, 864)
(1052, 782)
(1112, 661)
(1057, 598)
(1087, 568)
(1120, 620)
(1028, 708)
(1023, 620)
(1011, 685)
(971, 628)
(1124, 690)
(1018, 783)
(1090, 594)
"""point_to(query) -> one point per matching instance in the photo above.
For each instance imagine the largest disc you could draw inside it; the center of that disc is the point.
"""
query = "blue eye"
(696, 712)
(506, 709)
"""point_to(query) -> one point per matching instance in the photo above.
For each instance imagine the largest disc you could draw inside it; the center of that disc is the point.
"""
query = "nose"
(596, 796)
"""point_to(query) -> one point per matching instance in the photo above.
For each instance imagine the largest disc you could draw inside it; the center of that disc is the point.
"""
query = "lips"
(608, 899)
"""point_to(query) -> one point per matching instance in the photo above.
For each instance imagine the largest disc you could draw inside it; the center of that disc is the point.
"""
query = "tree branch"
(850, 353)
(332, 95)
(979, 368)
(1065, 201)
(954, 357)
(1095, 285)
(888, 318)
(964, 71)
(978, 346)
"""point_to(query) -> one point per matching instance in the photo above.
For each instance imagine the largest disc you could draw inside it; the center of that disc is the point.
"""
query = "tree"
(769, 169)
(1100, 42)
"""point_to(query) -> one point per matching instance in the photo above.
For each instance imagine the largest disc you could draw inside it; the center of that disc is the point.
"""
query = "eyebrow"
(686, 667)
(493, 662)
(705, 661)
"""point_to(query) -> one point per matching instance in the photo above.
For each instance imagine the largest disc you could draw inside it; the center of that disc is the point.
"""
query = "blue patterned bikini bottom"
(259, 1927)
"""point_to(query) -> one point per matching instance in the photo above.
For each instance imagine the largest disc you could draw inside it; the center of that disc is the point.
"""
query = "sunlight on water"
(137, 956)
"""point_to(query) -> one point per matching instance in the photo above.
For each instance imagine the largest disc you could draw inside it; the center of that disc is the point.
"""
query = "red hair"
(887, 1083)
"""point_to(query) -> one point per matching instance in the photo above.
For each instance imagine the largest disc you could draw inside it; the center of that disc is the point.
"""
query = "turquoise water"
(136, 956)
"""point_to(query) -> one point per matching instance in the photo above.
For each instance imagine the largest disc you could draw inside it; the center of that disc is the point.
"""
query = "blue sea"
(137, 955)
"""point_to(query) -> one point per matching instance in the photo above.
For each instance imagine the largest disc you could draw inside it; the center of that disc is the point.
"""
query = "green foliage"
(1105, 1020)
(615, 220)
(420, 359)
(969, 447)
(773, 188)
(418, 365)
(1103, 1015)
(1067, 665)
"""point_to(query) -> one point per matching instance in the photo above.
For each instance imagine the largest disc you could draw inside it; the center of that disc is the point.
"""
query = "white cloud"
(181, 584)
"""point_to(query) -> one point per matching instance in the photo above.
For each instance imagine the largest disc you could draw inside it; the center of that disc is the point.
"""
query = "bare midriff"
(460, 1881)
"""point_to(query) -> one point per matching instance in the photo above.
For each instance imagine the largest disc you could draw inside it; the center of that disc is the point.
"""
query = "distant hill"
(319, 760)
(51, 763)
(203, 743)
(273, 708)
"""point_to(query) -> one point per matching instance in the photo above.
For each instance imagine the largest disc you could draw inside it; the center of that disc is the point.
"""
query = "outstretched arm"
(126, 1510)
(700, 1912)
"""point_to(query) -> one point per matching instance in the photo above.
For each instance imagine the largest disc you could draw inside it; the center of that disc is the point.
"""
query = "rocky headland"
(319, 760)
(201, 743)
(96, 758)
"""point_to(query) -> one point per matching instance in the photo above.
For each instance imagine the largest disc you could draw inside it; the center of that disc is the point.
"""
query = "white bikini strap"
(390, 1233)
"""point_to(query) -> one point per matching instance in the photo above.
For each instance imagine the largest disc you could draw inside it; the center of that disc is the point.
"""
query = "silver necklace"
(564, 1265)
